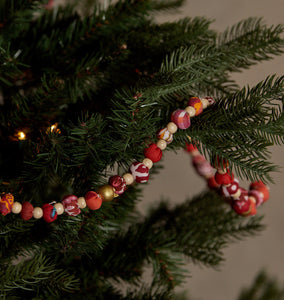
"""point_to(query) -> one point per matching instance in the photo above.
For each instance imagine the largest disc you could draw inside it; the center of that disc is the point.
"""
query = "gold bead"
(172, 127)
(59, 208)
(148, 163)
(106, 192)
(190, 110)
(82, 202)
(37, 213)
(128, 178)
(17, 207)
(205, 103)
(162, 144)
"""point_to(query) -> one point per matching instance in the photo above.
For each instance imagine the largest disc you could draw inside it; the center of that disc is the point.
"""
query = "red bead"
(252, 208)
(223, 179)
(197, 104)
(262, 188)
(190, 148)
(49, 213)
(6, 204)
(71, 205)
(27, 211)
(212, 184)
(153, 152)
(93, 200)
(118, 183)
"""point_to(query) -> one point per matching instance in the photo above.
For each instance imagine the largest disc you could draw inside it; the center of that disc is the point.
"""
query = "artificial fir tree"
(84, 90)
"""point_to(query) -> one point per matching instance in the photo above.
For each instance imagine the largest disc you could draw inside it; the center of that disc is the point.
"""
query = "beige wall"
(178, 180)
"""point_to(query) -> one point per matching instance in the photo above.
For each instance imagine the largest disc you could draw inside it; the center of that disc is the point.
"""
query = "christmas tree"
(84, 90)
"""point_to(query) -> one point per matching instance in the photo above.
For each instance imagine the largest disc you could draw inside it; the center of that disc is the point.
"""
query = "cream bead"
(237, 194)
(148, 163)
(59, 208)
(172, 127)
(82, 202)
(37, 213)
(17, 207)
(205, 103)
(162, 144)
(190, 110)
(128, 178)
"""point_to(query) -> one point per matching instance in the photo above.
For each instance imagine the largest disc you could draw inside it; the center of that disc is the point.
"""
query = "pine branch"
(263, 288)
(256, 121)
(35, 273)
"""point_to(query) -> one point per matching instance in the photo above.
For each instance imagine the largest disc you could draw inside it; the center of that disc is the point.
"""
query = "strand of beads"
(223, 181)
(117, 185)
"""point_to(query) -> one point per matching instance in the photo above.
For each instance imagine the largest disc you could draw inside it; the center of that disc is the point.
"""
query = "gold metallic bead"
(106, 192)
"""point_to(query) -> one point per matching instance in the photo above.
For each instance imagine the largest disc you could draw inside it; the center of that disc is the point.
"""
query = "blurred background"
(177, 180)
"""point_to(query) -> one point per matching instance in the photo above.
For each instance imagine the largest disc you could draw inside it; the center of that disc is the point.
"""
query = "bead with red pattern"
(231, 189)
(6, 203)
(49, 213)
(118, 183)
(139, 172)
(242, 205)
(71, 205)
(196, 103)
(211, 100)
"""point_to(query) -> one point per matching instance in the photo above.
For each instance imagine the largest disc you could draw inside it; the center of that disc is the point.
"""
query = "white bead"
(205, 103)
(17, 207)
(190, 110)
(162, 144)
(172, 127)
(37, 213)
(128, 178)
(82, 202)
(59, 208)
(148, 163)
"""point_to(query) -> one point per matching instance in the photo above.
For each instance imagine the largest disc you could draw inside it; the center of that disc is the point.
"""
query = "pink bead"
(181, 118)
(196, 103)
(257, 196)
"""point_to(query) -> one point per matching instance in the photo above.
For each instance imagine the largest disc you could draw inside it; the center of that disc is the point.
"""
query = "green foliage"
(263, 288)
(110, 77)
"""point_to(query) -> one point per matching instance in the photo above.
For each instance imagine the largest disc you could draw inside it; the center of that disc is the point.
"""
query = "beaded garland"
(243, 202)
